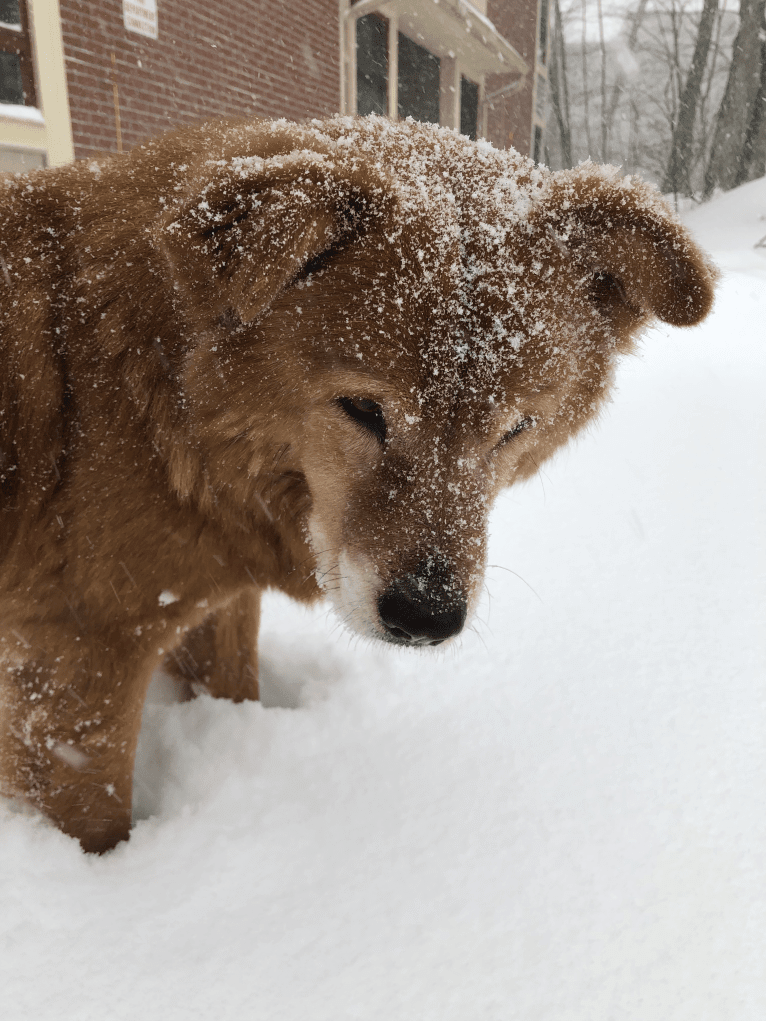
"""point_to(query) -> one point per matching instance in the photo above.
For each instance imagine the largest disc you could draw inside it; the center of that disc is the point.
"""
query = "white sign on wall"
(140, 16)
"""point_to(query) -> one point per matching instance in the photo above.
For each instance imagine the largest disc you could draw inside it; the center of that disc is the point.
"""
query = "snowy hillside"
(561, 820)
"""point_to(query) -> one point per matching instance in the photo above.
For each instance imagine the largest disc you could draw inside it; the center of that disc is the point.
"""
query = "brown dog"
(266, 355)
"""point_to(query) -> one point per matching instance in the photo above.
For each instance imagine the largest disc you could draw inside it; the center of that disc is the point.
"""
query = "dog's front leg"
(220, 656)
(70, 726)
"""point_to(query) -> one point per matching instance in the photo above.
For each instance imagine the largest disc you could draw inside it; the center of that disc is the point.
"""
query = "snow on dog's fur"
(267, 355)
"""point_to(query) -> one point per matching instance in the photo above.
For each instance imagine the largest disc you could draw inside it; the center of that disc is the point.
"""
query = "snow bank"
(562, 820)
(731, 225)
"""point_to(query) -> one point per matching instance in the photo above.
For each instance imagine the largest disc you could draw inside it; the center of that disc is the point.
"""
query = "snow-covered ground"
(562, 820)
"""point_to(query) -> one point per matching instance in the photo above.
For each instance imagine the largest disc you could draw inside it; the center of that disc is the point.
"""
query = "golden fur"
(271, 355)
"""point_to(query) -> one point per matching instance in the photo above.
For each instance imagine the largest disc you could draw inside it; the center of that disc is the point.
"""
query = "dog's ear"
(247, 225)
(637, 257)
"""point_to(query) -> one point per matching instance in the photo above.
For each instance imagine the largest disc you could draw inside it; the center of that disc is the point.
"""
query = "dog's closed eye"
(367, 413)
(525, 423)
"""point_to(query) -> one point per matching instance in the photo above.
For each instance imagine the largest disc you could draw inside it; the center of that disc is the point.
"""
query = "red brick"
(248, 60)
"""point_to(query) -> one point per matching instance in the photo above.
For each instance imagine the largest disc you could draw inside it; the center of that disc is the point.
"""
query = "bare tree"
(585, 89)
(712, 75)
(753, 160)
(602, 48)
(737, 106)
(632, 97)
(677, 176)
(620, 79)
(559, 86)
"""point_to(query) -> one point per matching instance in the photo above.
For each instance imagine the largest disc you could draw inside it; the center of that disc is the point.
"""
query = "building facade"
(83, 77)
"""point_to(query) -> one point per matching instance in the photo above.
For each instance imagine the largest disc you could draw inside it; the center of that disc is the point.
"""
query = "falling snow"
(560, 819)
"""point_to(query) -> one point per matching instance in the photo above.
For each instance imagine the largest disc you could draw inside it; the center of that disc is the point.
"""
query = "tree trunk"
(604, 124)
(753, 161)
(619, 86)
(584, 56)
(560, 88)
(677, 178)
(736, 110)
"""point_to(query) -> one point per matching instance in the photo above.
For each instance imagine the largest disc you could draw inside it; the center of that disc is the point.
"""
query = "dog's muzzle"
(423, 608)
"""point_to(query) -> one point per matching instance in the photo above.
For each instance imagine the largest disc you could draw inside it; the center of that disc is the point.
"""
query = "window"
(429, 60)
(16, 78)
(537, 148)
(469, 107)
(418, 82)
(418, 76)
(372, 65)
(9, 14)
(11, 88)
(543, 33)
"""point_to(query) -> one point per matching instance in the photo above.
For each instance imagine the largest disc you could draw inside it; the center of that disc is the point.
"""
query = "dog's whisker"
(331, 573)
(313, 556)
(499, 567)
(478, 634)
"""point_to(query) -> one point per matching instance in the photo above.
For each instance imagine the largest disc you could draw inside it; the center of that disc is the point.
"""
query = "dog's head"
(414, 321)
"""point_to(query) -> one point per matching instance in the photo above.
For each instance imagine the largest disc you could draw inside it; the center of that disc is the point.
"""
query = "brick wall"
(244, 58)
(509, 119)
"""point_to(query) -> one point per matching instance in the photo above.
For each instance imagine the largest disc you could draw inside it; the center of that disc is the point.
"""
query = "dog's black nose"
(423, 608)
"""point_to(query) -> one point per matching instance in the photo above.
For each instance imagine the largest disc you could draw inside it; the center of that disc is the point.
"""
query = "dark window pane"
(9, 12)
(543, 31)
(537, 148)
(371, 65)
(418, 82)
(469, 107)
(11, 90)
